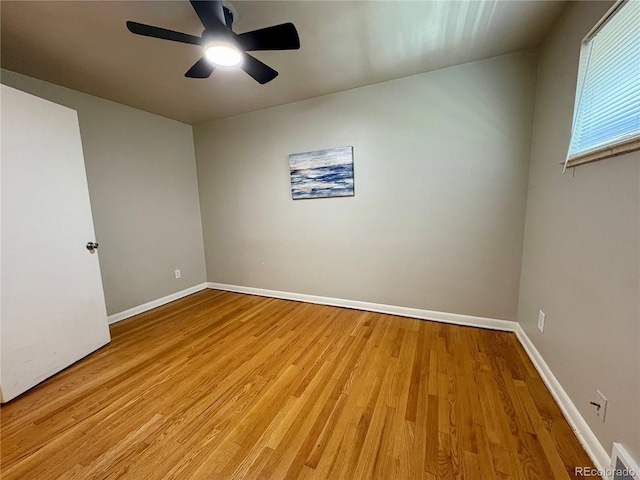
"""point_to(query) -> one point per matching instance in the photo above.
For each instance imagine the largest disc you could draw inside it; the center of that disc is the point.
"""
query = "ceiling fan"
(221, 46)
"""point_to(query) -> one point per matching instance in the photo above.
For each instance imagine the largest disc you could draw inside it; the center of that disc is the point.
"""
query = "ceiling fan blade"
(210, 13)
(163, 33)
(278, 37)
(260, 72)
(201, 69)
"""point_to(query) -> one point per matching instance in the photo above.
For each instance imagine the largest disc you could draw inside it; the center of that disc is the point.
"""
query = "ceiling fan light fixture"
(221, 46)
(223, 54)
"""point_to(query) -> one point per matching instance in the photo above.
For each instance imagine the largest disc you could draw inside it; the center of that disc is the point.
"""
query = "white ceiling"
(85, 45)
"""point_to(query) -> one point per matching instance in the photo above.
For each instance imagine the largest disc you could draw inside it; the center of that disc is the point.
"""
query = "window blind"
(607, 109)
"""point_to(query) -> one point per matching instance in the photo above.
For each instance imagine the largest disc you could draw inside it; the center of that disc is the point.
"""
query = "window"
(606, 118)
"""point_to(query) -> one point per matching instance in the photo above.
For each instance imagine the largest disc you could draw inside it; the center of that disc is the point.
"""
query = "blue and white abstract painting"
(323, 173)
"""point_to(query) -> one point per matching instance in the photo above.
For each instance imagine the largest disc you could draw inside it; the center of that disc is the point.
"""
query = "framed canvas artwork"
(322, 173)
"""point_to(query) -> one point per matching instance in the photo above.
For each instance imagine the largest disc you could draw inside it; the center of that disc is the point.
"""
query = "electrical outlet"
(541, 317)
(599, 403)
(178, 273)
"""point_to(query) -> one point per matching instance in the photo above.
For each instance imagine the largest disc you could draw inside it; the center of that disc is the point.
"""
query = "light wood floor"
(221, 385)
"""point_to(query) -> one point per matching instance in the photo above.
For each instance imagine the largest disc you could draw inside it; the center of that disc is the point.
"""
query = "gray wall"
(144, 195)
(441, 170)
(581, 254)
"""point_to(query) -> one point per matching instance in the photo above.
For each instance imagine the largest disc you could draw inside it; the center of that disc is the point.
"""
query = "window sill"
(613, 150)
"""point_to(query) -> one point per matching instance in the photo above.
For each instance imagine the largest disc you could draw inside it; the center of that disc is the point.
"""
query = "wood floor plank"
(220, 385)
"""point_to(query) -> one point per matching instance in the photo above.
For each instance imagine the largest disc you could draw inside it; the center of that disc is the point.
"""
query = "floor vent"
(623, 467)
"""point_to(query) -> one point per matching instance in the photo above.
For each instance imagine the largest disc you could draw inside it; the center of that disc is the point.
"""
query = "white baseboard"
(117, 317)
(457, 319)
(585, 435)
(583, 432)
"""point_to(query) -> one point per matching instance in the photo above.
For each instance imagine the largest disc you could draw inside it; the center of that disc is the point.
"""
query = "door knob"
(92, 246)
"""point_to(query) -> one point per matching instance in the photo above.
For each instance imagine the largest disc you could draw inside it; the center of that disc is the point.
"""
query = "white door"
(52, 309)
